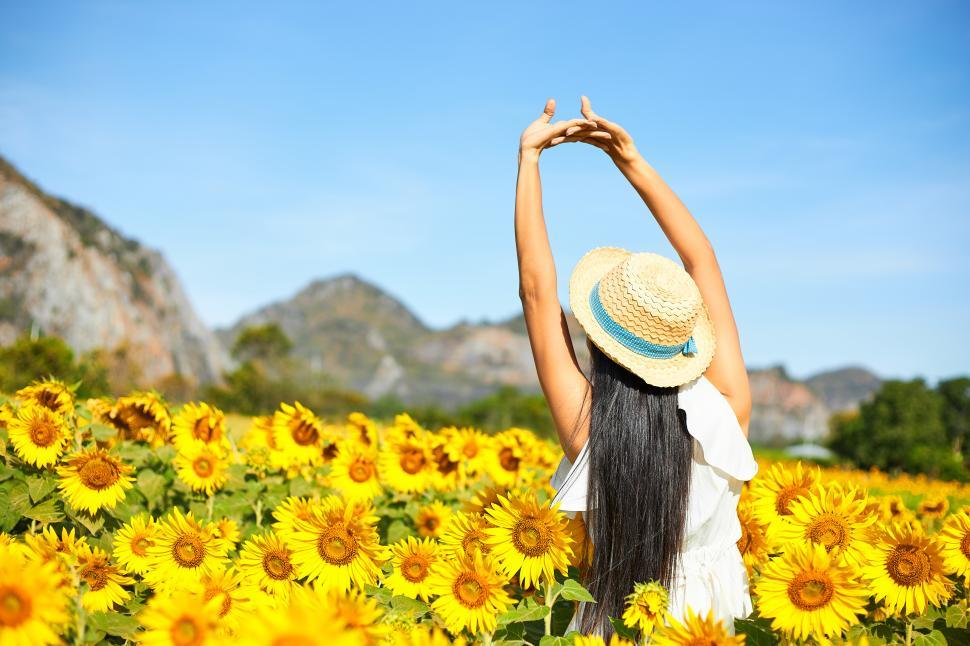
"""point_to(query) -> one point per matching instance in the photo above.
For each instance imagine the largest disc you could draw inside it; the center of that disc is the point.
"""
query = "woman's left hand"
(541, 134)
(609, 137)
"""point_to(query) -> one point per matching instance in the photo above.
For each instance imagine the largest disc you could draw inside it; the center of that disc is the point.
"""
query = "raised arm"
(561, 380)
(727, 371)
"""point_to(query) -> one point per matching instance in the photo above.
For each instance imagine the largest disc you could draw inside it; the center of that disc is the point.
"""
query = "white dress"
(711, 574)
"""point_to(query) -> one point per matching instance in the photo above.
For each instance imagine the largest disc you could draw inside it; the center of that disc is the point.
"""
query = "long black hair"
(639, 476)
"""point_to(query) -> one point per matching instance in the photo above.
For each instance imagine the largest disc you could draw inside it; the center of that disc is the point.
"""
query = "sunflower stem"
(209, 504)
(81, 622)
(258, 509)
(486, 639)
(909, 633)
(550, 601)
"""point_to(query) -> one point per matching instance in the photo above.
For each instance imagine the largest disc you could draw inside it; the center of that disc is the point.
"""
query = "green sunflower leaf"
(574, 591)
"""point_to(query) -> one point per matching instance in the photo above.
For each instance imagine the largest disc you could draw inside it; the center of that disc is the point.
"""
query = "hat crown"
(653, 297)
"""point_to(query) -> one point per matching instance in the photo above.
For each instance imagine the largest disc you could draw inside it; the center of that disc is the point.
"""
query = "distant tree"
(508, 407)
(28, 359)
(956, 412)
(901, 428)
(263, 342)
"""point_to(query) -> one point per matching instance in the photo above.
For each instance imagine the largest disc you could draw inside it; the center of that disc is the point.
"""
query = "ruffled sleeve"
(712, 422)
(570, 482)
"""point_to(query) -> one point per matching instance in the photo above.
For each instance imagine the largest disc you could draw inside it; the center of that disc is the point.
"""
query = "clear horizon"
(825, 149)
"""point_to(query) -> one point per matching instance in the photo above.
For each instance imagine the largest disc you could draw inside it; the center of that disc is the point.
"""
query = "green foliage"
(28, 359)
(907, 426)
(508, 407)
(265, 342)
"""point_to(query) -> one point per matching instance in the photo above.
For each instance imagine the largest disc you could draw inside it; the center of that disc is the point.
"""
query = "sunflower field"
(126, 520)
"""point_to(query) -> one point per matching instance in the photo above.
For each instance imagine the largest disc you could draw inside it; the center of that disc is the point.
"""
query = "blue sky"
(824, 146)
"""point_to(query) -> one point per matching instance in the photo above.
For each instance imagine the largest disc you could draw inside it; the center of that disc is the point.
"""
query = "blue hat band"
(631, 341)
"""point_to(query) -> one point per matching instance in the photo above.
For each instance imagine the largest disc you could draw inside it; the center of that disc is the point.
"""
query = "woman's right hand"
(609, 137)
(541, 134)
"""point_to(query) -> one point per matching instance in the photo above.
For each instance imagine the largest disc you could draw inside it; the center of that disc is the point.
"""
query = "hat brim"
(675, 371)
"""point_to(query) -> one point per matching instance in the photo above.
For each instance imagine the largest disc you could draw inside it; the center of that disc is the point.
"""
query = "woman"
(656, 438)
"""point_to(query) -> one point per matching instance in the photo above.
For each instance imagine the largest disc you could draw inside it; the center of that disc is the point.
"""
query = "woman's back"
(710, 573)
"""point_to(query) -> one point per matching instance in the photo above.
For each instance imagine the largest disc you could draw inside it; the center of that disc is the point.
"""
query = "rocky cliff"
(64, 272)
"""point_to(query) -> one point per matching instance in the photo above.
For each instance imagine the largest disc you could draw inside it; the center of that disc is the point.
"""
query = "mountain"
(356, 333)
(65, 272)
(366, 339)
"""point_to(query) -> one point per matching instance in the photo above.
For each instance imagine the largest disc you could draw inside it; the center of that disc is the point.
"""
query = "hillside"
(65, 272)
(368, 340)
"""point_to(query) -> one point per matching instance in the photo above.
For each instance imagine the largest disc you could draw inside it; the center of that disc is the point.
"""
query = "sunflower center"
(188, 551)
(470, 449)
(531, 537)
(95, 576)
(431, 523)
(304, 433)
(810, 590)
(965, 545)
(470, 591)
(15, 606)
(43, 432)
(47, 399)
(785, 496)
(337, 546)
(186, 632)
(908, 565)
(140, 545)
(98, 474)
(474, 541)
(277, 566)
(828, 529)
(361, 471)
(203, 430)
(507, 459)
(414, 568)
(139, 417)
(203, 466)
(745, 541)
(412, 461)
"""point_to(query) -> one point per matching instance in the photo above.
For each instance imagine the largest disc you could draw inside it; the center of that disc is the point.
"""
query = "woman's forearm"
(537, 271)
(680, 227)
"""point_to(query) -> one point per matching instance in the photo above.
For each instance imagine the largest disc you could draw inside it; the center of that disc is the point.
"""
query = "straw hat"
(645, 313)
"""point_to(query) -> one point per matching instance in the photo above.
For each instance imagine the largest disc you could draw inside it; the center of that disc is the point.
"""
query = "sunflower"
(582, 546)
(696, 630)
(773, 492)
(473, 445)
(810, 591)
(431, 519)
(465, 534)
(833, 517)
(933, 507)
(362, 430)
(260, 434)
(646, 607)
(38, 434)
(954, 537)
(894, 509)
(485, 497)
(298, 434)
(203, 467)
(906, 571)
(596, 640)
(199, 423)
(292, 509)
(338, 547)
(753, 543)
(52, 394)
(236, 595)
(448, 472)
(131, 543)
(184, 619)
(228, 530)
(298, 622)
(358, 615)
(354, 472)
(471, 593)
(406, 465)
(413, 562)
(33, 606)
(94, 479)
(104, 581)
(505, 460)
(528, 538)
(48, 546)
(184, 550)
(267, 561)
(142, 416)
(408, 634)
